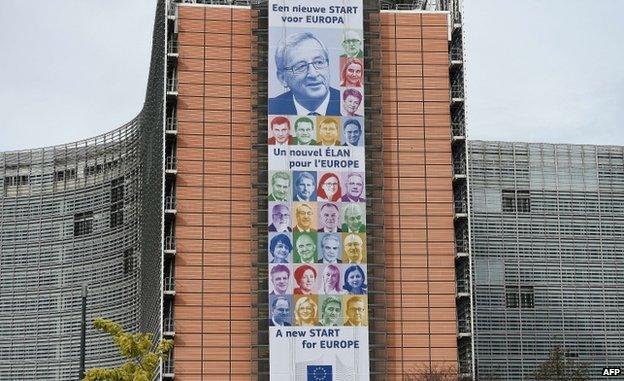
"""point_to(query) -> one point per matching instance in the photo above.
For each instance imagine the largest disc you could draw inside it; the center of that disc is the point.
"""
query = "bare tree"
(433, 373)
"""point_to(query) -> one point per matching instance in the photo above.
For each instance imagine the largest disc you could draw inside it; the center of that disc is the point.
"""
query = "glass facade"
(547, 236)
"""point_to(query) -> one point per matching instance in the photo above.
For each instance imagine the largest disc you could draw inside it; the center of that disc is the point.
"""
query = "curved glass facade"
(69, 215)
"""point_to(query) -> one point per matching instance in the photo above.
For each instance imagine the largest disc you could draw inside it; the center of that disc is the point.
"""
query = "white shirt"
(321, 109)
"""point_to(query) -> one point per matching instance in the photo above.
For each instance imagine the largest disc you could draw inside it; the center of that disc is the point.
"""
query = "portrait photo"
(306, 310)
(352, 44)
(303, 72)
(279, 217)
(328, 189)
(353, 217)
(280, 248)
(280, 310)
(355, 310)
(352, 131)
(304, 217)
(279, 186)
(280, 279)
(329, 248)
(351, 72)
(331, 310)
(305, 247)
(354, 248)
(354, 280)
(305, 277)
(279, 131)
(352, 102)
(304, 186)
(329, 282)
(328, 131)
(329, 217)
(305, 131)
(353, 187)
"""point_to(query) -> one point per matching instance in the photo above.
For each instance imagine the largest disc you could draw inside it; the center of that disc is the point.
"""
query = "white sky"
(536, 70)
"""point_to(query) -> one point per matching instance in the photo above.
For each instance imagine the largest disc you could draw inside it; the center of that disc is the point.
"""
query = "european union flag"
(320, 373)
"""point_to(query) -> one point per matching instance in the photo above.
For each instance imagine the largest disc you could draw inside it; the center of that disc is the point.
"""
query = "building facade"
(184, 188)
(546, 230)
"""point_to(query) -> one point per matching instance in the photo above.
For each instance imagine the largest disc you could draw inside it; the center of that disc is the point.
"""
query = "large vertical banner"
(318, 304)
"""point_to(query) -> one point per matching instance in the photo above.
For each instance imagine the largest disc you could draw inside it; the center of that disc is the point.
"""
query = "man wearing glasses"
(302, 65)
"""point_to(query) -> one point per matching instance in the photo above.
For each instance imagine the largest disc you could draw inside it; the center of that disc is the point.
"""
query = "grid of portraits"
(317, 219)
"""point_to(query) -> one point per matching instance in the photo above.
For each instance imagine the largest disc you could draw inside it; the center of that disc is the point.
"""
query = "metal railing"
(172, 85)
(171, 124)
(170, 243)
(173, 47)
(461, 206)
(169, 325)
(169, 283)
(171, 163)
(170, 203)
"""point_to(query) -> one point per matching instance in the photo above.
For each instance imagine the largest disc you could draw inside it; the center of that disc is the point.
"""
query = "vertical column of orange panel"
(439, 202)
(241, 195)
(412, 194)
(217, 194)
(391, 194)
(418, 190)
(188, 302)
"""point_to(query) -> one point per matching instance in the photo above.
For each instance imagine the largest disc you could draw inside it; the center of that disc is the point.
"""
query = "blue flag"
(320, 373)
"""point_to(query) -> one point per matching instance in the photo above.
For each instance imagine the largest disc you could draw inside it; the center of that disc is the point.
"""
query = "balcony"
(459, 168)
(172, 87)
(168, 367)
(170, 205)
(169, 327)
(171, 165)
(171, 125)
(461, 246)
(173, 49)
(169, 286)
(456, 55)
(170, 245)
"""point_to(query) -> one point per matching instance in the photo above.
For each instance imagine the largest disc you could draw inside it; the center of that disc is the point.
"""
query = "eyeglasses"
(302, 67)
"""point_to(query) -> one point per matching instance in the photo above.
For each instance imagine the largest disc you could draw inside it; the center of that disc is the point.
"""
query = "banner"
(318, 304)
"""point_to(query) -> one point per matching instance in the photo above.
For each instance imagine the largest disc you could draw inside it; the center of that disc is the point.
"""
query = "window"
(519, 296)
(516, 201)
(83, 223)
(16, 180)
(128, 264)
(66, 174)
(117, 202)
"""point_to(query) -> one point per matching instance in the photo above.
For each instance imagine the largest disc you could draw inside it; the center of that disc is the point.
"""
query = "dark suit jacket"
(283, 104)
(286, 324)
(272, 198)
(273, 229)
(321, 261)
(322, 230)
(297, 230)
(311, 143)
(346, 198)
(362, 229)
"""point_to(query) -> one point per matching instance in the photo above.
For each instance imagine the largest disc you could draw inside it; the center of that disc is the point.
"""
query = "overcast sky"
(536, 70)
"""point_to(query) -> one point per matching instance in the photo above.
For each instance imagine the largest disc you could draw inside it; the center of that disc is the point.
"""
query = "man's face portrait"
(353, 246)
(281, 311)
(306, 248)
(356, 311)
(355, 186)
(331, 313)
(306, 70)
(281, 218)
(352, 134)
(280, 282)
(328, 132)
(305, 216)
(305, 132)
(330, 217)
(281, 132)
(351, 104)
(305, 186)
(351, 43)
(330, 248)
(353, 218)
(280, 187)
